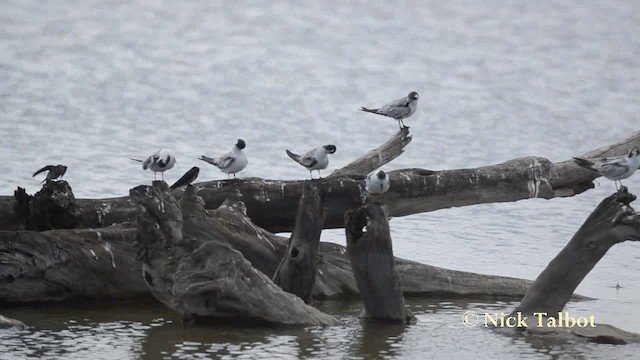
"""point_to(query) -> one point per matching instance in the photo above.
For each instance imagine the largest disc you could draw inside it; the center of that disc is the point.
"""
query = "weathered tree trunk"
(297, 271)
(204, 278)
(612, 222)
(271, 203)
(371, 256)
(61, 265)
(53, 207)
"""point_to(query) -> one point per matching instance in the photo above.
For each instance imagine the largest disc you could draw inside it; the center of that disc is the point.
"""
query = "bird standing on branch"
(232, 162)
(398, 109)
(161, 161)
(316, 159)
(55, 171)
(613, 168)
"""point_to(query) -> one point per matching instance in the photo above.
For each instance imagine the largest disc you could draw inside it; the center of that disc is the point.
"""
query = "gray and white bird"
(232, 162)
(398, 109)
(159, 162)
(613, 168)
(316, 159)
(377, 182)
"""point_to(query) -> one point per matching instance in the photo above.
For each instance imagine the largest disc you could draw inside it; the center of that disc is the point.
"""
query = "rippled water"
(91, 83)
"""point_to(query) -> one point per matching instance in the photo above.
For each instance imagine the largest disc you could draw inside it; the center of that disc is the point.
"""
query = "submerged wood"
(613, 221)
(296, 273)
(371, 257)
(203, 277)
(271, 203)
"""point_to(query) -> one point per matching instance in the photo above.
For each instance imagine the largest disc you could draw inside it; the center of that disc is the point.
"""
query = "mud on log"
(271, 203)
(371, 256)
(296, 273)
(204, 278)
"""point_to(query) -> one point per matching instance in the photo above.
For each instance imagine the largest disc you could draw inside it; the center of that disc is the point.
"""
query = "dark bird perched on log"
(613, 168)
(377, 183)
(399, 109)
(160, 161)
(187, 178)
(55, 171)
(316, 159)
(232, 162)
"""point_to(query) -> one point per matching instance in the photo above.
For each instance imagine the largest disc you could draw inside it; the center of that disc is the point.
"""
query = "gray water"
(90, 84)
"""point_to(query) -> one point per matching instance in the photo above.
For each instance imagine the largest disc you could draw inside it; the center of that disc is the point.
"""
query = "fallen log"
(296, 273)
(101, 264)
(613, 221)
(271, 203)
(204, 278)
(371, 256)
(60, 265)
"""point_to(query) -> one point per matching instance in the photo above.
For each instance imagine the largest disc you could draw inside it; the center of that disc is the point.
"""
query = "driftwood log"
(202, 277)
(297, 271)
(371, 255)
(271, 204)
(613, 221)
(101, 264)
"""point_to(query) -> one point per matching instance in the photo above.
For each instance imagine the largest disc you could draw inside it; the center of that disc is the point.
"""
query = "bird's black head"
(195, 171)
(381, 175)
(413, 95)
(330, 149)
(241, 144)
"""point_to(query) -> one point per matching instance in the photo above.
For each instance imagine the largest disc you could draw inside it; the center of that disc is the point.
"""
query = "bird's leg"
(319, 176)
(155, 176)
(162, 175)
(403, 125)
(399, 121)
(311, 174)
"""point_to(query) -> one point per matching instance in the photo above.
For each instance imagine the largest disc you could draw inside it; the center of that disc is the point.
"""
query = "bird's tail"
(587, 164)
(375, 111)
(48, 167)
(138, 160)
(212, 161)
(294, 156)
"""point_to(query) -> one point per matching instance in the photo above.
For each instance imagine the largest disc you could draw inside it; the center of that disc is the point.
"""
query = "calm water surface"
(91, 83)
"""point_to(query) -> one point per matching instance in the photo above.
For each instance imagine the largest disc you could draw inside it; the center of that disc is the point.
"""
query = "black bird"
(187, 178)
(55, 171)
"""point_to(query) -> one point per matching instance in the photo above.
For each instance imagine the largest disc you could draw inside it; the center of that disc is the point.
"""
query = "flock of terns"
(235, 160)
(613, 168)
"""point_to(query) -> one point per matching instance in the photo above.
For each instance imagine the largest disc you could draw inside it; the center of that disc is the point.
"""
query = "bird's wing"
(187, 178)
(396, 109)
(46, 168)
(613, 168)
(225, 161)
(306, 160)
(221, 162)
(309, 159)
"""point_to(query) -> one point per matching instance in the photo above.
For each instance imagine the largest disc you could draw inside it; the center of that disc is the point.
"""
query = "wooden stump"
(53, 207)
(373, 265)
(297, 271)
